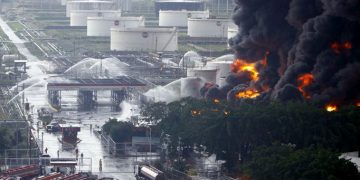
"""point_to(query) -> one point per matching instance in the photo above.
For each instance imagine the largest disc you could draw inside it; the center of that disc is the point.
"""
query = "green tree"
(284, 162)
(5, 138)
(119, 131)
(154, 112)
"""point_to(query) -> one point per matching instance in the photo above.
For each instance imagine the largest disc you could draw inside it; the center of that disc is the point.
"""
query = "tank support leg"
(87, 99)
(54, 98)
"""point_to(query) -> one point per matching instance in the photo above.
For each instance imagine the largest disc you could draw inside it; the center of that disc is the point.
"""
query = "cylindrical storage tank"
(223, 69)
(143, 39)
(179, 18)
(63, 2)
(208, 27)
(190, 5)
(207, 74)
(190, 87)
(100, 26)
(79, 18)
(89, 5)
(232, 32)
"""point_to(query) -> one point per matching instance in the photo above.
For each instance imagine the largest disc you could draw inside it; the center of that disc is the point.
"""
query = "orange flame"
(240, 65)
(216, 101)
(347, 45)
(265, 88)
(249, 93)
(358, 104)
(304, 81)
(331, 107)
(335, 46)
(195, 113)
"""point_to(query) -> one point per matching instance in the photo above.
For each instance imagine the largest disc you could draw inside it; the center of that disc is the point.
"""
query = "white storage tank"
(89, 5)
(190, 5)
(79, 17)
(180, 18)
(207, 74)
(190, 87)
(208, 27)
(100, 26)
(232, 32)
(223, 69)
(143, 39)
(63, 2)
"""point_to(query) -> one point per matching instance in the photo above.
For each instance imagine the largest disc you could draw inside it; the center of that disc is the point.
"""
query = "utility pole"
(42, 142)
(23, 94)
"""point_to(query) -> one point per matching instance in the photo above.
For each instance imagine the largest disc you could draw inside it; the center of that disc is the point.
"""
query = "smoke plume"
(298, 50)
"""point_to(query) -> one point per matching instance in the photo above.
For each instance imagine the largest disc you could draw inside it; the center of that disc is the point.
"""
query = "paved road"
(90, 145)
(20, 45)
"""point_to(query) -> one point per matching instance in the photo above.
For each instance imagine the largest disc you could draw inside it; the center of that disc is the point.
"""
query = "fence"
(174, 174)
(83, 164)
(123, 149)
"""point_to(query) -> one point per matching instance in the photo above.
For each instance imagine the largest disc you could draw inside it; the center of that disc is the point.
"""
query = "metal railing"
(174, 174)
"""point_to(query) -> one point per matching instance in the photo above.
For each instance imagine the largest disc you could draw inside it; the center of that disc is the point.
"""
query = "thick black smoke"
(328, 48)
(320, 37)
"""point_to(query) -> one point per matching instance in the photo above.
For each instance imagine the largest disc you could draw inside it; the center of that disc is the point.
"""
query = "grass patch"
(34, 50)
(214, 47)
(185, 48)
(15, 26)
(3, 35)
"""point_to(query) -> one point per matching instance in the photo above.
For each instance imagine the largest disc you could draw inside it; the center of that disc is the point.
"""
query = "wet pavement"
(90, 145)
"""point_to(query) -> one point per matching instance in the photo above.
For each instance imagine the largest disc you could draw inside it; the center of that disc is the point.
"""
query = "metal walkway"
(95, 84)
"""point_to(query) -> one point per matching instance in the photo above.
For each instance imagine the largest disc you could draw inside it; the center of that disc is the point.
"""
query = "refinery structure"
(179, 89)
(68, 66)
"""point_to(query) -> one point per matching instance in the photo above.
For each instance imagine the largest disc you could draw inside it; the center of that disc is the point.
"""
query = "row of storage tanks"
(103, 18)
(213, 71)
(198, 23)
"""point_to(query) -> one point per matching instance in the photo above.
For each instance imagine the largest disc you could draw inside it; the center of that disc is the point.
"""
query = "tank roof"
(90, 1)
(209, 19)
(183, 11)
(95, 11)
(180, 1)
(142, 29)
(117, 18)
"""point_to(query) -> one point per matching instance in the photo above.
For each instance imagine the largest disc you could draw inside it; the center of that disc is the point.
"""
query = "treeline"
(11, 138)
(236, 132)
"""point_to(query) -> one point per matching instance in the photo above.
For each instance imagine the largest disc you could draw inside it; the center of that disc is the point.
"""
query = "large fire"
(240, 65)
(331, 107)
(248, 93)
(304, 81)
